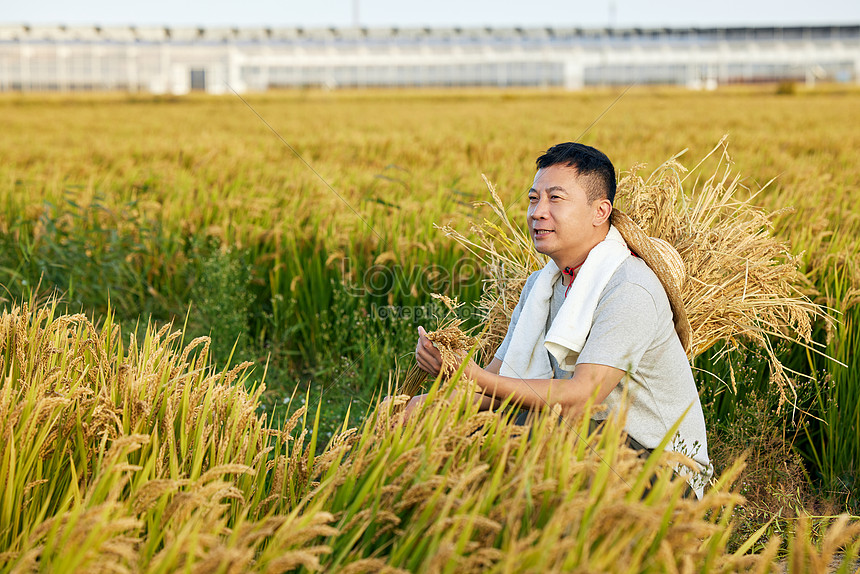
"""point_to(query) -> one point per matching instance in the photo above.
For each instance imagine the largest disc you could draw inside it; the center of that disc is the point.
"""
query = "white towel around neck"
(526, 356)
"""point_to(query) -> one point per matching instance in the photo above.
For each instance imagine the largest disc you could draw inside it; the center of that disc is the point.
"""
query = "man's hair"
(593, 167)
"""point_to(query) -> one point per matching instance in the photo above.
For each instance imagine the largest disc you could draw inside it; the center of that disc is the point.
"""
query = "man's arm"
(572, 394)
(624, 325)
(487, 401)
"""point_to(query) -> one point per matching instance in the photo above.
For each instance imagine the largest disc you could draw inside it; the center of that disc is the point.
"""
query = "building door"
(198, 80)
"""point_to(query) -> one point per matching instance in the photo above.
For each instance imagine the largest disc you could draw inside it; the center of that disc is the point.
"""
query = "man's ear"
(602, 211)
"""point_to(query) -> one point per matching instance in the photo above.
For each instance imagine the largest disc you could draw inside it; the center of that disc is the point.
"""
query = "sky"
(406, 13)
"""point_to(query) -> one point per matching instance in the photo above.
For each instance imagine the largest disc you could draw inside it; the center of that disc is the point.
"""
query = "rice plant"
(116, 201)
(140, 457)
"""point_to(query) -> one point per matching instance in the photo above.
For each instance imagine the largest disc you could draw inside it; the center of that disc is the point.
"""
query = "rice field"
(146, 445)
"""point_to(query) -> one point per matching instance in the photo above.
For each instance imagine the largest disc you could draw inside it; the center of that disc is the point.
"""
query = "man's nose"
(540, 208)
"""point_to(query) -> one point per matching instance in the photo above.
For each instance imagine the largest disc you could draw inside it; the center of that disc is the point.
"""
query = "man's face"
(562, 224)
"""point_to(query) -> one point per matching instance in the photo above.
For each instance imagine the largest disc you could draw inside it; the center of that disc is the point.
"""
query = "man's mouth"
(540, 232)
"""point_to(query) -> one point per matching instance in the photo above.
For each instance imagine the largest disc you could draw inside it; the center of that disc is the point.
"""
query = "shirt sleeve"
(624, 327)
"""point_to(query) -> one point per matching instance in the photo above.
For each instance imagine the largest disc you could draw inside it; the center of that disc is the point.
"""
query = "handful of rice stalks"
(453, 343)
(743, 285)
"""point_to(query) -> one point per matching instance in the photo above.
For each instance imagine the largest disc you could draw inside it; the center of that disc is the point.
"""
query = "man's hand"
(413, 404)
(428, 357)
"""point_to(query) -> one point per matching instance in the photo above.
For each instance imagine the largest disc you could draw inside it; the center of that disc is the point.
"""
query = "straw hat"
(665, 262)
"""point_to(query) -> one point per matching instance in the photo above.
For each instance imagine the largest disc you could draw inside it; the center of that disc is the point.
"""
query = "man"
(616, 331)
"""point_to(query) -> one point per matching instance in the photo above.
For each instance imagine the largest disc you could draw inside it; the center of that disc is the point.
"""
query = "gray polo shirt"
(633, 331)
